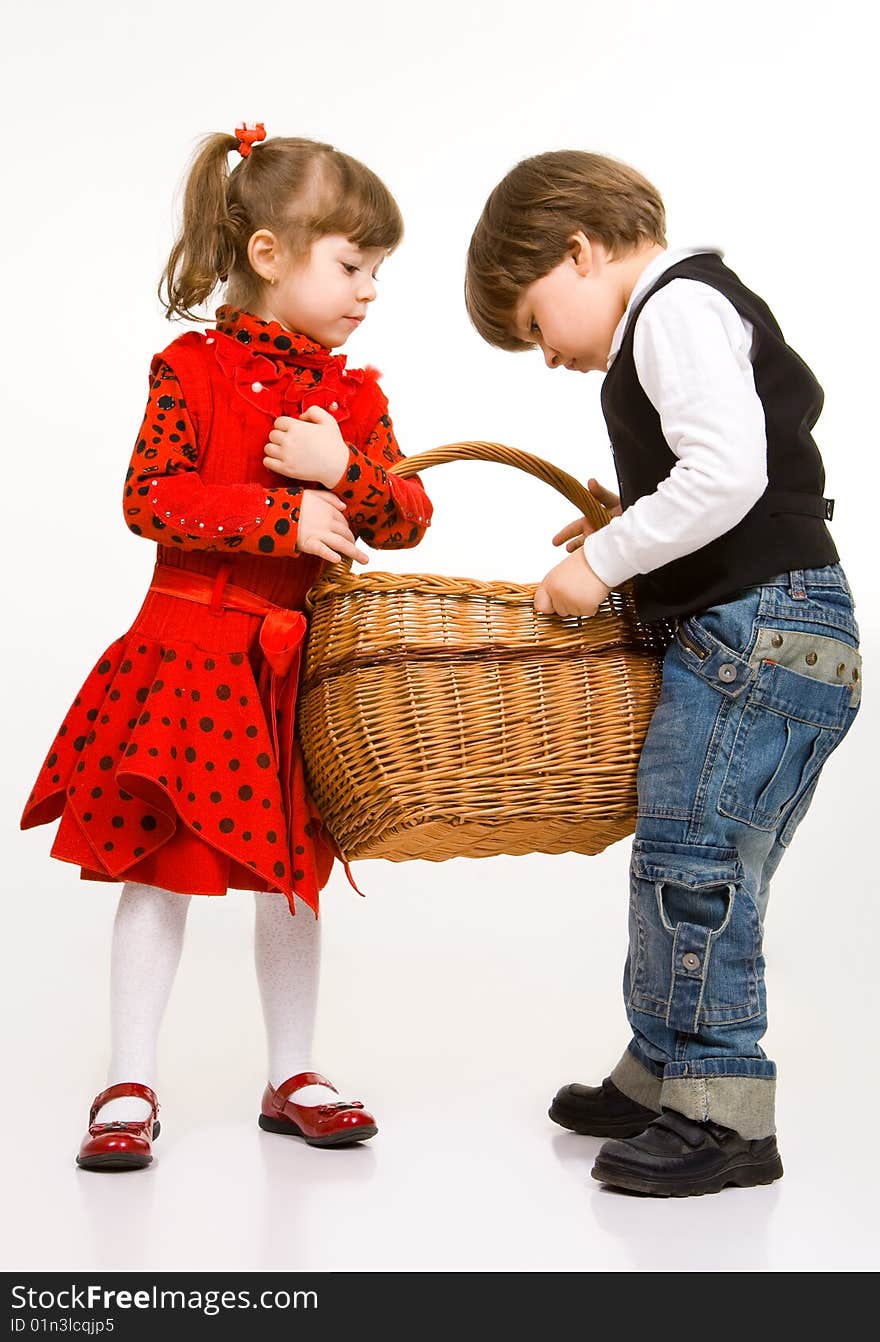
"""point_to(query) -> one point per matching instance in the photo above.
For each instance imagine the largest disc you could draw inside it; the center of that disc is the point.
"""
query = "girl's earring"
(274, 279)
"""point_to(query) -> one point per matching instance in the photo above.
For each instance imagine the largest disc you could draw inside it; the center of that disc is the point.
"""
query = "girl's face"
(325, 295)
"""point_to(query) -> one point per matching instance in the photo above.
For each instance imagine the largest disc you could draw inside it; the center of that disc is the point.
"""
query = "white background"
(456, 998)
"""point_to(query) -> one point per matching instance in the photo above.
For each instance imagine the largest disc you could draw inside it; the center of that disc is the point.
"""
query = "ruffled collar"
(281, 371)
(272, 338)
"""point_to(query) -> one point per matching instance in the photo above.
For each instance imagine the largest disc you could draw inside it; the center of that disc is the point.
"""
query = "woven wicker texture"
(442, 717)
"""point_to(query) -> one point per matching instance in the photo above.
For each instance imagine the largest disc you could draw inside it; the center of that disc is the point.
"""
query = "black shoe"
(678, 1158)
(599, 1111)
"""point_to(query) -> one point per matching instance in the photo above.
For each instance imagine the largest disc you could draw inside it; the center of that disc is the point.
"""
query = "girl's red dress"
(176, 764)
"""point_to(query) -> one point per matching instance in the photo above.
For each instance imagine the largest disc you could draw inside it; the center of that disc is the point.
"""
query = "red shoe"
(120, 1146)
(337, 1124)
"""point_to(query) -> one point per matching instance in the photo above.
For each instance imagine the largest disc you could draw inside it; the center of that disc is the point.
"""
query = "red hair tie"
(248, 135)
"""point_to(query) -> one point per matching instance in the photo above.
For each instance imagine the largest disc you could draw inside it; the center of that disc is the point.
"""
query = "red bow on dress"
(282, 634)
(288, 386)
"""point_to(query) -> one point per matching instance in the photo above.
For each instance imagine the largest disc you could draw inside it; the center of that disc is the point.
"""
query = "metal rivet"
(259, 520)
(256, 386)
(811, 658)
(210, 340)
(727, 672)
(855, 673)
(219, 528)
(690, 961)
(776, 640)
(841, 668)
(334, 405)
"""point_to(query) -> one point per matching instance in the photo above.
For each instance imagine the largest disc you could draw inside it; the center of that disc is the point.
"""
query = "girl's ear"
(580, 251)
(264, 254)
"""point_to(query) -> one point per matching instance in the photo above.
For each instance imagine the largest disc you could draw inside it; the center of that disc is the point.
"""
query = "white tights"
(147, 942)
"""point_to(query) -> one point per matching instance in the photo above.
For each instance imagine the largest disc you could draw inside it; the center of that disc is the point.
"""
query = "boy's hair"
(299, 189)
(529, 219)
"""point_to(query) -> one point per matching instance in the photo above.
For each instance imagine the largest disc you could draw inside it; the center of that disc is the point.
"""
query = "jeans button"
(727, 672)
(811, 658)
(776, 640)
(690, 961)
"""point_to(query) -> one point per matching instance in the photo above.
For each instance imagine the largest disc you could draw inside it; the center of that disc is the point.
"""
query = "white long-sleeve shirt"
(692, 353)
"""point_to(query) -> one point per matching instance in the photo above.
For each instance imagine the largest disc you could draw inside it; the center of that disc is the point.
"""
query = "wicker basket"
(442, 717)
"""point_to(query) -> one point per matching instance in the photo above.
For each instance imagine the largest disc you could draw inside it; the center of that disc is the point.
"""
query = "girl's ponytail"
(206, 249)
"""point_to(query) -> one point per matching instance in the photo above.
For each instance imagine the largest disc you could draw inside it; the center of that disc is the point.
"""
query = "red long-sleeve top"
(172, 767)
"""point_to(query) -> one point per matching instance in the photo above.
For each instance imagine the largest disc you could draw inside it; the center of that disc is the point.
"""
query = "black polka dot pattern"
(142, 766)
(138, 732)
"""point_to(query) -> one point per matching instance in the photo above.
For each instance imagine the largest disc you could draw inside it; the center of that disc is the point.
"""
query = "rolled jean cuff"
(633, 1079)
(739, 1095)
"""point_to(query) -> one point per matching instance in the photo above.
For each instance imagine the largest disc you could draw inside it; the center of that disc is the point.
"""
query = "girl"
(260, 459)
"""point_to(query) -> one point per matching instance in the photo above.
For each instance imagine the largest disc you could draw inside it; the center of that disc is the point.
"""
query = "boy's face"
(571, 313)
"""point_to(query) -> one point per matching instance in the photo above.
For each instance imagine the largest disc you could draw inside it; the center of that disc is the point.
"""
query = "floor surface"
(456, 998)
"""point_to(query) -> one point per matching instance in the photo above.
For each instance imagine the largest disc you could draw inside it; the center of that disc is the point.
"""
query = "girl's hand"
(323, 530)
(576, 532)
(571, 588)
(308, 448)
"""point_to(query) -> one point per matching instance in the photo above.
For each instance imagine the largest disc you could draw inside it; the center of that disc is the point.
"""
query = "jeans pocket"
(790, 723)
(695, 937)
(797, 812)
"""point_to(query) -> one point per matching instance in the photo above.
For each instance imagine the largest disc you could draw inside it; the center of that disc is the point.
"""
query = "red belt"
(282, 634)
(282, 631)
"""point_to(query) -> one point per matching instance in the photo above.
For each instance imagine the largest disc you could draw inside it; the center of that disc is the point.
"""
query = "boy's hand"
(323, 530)
(571, 588)
(308, 448)
(576, 531)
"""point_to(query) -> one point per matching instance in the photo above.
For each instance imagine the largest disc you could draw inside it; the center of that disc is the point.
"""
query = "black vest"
(786, 527)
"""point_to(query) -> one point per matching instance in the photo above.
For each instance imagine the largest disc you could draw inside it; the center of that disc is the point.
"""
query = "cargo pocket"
(797, 813)
(790, 724)
(695, 937)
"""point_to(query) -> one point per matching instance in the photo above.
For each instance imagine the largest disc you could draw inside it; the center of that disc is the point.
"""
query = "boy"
(721, 525)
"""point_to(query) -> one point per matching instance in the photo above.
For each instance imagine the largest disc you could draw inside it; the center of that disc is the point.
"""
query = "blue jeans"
(757, 692)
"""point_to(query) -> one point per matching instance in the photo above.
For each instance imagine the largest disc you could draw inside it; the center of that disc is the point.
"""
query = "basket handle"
(565, 484)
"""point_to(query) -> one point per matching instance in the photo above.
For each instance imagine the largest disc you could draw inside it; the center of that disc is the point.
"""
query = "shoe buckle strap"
(686, 1128)
(294, 1083)
(123, 1090)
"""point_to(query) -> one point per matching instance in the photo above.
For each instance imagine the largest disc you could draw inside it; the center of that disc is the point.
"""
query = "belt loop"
(798, 590)
(220, 582)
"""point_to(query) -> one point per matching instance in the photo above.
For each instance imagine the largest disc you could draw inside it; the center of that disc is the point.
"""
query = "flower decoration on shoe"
(341, 1123)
